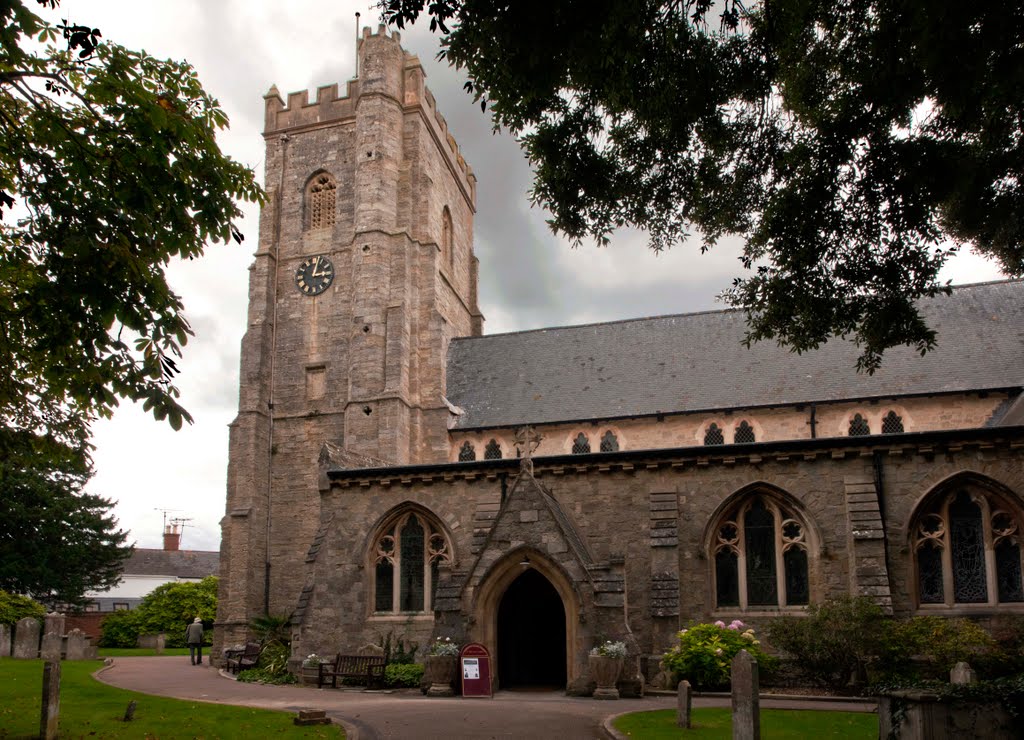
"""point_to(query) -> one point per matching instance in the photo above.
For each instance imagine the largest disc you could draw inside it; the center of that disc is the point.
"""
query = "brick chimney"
(172, 537)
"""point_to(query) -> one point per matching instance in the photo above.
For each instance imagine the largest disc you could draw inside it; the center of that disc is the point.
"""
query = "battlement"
(394, 73)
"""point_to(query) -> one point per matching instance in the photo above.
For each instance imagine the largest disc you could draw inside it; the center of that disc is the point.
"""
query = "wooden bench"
(369, 668)
(239, 660)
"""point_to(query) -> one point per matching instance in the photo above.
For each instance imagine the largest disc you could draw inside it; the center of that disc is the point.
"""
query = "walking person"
(194, 639)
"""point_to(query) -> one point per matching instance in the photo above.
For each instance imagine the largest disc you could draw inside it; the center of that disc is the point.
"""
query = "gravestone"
(5, 641)
(746, 700)
(154, 642)
(50, 709)
(962, 674)
(53, 622)
(684, 703)
(26, 638)
(52, 644)
(77, 644)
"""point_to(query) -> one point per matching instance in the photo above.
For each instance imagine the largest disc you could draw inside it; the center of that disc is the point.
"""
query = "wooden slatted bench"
(239, 660)
(369, 668)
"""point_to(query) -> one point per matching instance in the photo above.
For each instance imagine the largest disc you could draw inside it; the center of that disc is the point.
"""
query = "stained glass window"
(859, 426)
(967, 542)
(759, 526)
(609, 442)
(713, 435)
(727, 578)
(929, 575)
(467, 452)
(492, 451)
(581, 445)
(412, 566)
(321, 201)
(409, 550)
(744, 433)
(892, 423)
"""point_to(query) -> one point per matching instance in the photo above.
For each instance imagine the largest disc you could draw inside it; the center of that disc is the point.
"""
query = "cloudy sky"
(528, 279)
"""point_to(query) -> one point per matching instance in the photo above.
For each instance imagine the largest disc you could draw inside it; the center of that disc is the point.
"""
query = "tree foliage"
(168, 608)
(109, 168)
(14, 608)
(56, 541)
(851, 144)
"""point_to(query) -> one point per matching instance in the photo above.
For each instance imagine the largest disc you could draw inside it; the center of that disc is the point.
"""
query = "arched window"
(492, 451)
(967, 550)
(467, 452)
(760, 556)
(744, 433)
(713, 435)
(581, 445)
(859, 426)
(609, 442)
(406, 558)
(447, 250)
(892, 423)
(320, 201)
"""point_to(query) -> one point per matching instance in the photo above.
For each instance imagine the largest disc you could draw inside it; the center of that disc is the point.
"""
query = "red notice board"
(475, 664)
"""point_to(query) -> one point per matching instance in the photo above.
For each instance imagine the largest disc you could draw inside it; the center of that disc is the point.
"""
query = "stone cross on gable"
(527, 440)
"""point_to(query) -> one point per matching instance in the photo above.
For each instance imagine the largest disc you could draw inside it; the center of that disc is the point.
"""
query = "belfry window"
(967, 551)
(760, 556)
(713, 435)
(467, 452)
(744, 433)
(892, 423)
(581, 445)
(320, 202)
(406, 559)
(609, 442)
(492, 451)
(859, 426)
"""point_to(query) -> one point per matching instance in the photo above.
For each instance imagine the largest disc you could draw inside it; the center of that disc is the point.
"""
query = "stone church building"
(395, 471)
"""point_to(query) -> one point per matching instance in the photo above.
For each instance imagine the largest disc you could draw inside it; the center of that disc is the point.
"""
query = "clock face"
(314, 276)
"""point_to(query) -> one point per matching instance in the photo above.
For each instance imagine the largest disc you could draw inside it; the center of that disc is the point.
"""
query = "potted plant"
(311, 668)
(605, 662)
(441, 666)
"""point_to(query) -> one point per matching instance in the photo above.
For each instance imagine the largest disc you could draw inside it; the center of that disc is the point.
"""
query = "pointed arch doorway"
(531, 634)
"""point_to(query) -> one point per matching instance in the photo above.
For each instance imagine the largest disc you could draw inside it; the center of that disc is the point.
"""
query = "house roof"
(177, 563)
(697, 362)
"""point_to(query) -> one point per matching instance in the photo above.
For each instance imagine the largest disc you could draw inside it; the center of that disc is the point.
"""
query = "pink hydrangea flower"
(719, 623)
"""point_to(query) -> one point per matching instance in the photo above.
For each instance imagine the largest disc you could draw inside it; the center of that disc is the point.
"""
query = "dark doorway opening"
(531, 634)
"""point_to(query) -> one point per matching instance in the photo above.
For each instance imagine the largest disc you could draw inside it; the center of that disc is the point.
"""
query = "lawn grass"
(776, 724)
(141, 652)
(90, 709)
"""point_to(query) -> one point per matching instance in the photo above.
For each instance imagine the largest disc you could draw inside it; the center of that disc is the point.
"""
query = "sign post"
(475, 665)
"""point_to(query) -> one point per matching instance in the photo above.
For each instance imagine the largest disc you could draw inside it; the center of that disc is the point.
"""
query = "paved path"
(404, 714)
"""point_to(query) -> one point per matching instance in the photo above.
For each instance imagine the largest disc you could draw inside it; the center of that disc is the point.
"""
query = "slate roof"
(697, 362)
(178, 563)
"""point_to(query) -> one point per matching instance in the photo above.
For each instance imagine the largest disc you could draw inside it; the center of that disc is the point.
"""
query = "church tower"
(364, 273)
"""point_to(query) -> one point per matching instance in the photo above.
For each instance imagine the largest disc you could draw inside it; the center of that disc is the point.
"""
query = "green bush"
(262, 675)
(403, 675)
(835, 641)
(705, 652)
(120, 630)
(14, 608)
(169, 608)
(928, 647)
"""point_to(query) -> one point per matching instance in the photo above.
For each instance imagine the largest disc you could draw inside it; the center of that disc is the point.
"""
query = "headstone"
(52, 644)
(26, 638)
(962, 673)
(5, 641)
(746, 700)
(153, 642)
(77, 644)
(53, 622)
(50, 709)
(309, 717)
(684, 704)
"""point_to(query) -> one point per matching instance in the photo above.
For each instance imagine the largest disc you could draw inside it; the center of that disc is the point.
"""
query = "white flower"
(718, 651)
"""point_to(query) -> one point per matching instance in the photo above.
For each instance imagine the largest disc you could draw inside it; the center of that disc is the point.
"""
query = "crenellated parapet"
(403, 82)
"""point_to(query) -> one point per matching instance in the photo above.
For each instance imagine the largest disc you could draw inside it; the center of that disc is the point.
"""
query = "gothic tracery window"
(744, 433)
(609, 442)
(406, 558)
(581, 445)
(320, 201)
(967, 550)
(892, 423)
(713, 435)
(859, 426)
(760, 556)
(492, 451)
(467, 452)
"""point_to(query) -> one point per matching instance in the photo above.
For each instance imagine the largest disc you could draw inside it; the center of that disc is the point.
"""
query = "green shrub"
(835, 641)
(705, 652)
(403, 675)
(395, 650)
(14, 608)
(168, 608)
(928, 647)
(261, 675)
(120, 630)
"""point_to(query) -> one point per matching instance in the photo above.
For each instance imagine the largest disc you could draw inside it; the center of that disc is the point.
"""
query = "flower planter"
(605, 671)
(309, 675)
(441, 671)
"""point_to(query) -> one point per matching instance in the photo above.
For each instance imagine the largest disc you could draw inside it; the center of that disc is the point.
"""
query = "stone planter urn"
(310, 674)
(605, 671)
(441, 671)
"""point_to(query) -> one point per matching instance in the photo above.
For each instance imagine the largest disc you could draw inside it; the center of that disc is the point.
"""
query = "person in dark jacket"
(194, 640)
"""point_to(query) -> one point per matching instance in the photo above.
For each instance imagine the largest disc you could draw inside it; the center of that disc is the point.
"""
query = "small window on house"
(713, 435)
(92, 606)
(320, 202)
(467, 452)
(892, 423)
(609, 442)
(492, 451)
(859, 426)
(581, 445)
(120, 606)
(744, 433)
